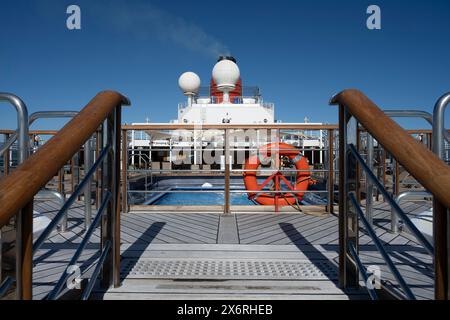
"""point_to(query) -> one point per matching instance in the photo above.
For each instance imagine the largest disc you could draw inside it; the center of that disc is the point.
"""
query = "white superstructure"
(250, 110)
(225, 101)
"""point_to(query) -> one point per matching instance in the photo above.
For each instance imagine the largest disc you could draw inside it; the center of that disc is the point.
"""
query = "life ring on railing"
(294, 192)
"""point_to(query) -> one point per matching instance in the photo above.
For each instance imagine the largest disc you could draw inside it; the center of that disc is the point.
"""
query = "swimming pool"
(210, 198)
(214, 198)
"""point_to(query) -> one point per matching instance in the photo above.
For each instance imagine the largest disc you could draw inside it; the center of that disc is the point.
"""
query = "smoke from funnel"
(146, 21)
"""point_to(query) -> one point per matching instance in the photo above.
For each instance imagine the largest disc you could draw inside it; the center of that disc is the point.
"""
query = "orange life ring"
(294, 192)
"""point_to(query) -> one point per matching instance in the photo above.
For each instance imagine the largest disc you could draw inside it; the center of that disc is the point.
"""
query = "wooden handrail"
(421, 163)
(19, 188)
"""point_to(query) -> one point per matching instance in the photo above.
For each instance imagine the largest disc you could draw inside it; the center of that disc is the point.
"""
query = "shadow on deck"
(267, 256)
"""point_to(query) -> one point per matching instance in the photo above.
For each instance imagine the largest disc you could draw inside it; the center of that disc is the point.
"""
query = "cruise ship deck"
(367, 220)
(208, 255)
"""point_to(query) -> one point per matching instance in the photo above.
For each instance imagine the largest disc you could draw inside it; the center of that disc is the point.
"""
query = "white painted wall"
(215, 113)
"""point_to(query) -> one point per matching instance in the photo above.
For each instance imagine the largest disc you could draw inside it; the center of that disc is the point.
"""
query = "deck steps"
(226, 271)
(136, 289)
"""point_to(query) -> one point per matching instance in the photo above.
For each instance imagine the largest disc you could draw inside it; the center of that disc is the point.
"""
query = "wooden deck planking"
(180, 231)
(183, 223)
(294, 236)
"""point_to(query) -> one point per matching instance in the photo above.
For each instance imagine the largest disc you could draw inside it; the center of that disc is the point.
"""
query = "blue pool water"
(210, 198)
(217, 198)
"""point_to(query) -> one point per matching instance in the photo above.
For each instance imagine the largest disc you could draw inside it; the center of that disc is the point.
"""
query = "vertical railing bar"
(227, 172)
(116, 214)
(384, 169)
(107, 183)
(330, 171)
(358, 169)
(441, 220)
(6, 158)
(26, 236)
(72, 175)
(88, 188)
(5, 173)
(396, 178)
(97, 174)
(353, 224)
(24, 219)
(342, 220)
(125, 171)
(369, 184)
(378, 160)
(110, 230)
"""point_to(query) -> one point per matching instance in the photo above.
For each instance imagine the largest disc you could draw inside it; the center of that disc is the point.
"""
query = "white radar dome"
(189, 83)
(225, 74)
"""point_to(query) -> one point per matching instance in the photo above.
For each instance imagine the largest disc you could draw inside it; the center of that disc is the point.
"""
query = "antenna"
(225, 74)
(189, 83)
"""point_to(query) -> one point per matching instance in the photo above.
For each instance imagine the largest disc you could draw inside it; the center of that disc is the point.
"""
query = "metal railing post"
(441, 220)
(226, 207)
(396, 182)
(369, 185)
(124, 172)
(88, 188)
(6, 159)
(330, 171)
(438, 125)
(383, 159)
(60, 187)
(377, 156)
(413, 195)
(76, 158)
(110, 231)
(115, 223)
(24, 219)
(358, 169)
(107, 186)
(46, 194)
(72, 175)
(342, 197)
(348, 270)
(98, 172)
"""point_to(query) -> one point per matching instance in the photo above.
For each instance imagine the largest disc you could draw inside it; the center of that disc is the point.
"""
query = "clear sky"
(298, 52)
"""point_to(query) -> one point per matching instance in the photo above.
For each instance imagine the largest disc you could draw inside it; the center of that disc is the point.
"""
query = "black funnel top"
(231, 58)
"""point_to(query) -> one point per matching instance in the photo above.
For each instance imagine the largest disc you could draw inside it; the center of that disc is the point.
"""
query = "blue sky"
(298, 52)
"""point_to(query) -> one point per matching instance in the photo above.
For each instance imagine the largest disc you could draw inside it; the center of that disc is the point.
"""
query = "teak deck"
(188, 255)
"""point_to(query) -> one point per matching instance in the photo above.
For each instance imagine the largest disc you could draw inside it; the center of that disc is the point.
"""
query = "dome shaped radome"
(225, 74)
(189, 82)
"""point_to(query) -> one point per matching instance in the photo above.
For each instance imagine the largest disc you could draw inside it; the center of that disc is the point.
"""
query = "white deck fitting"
(161, 239)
